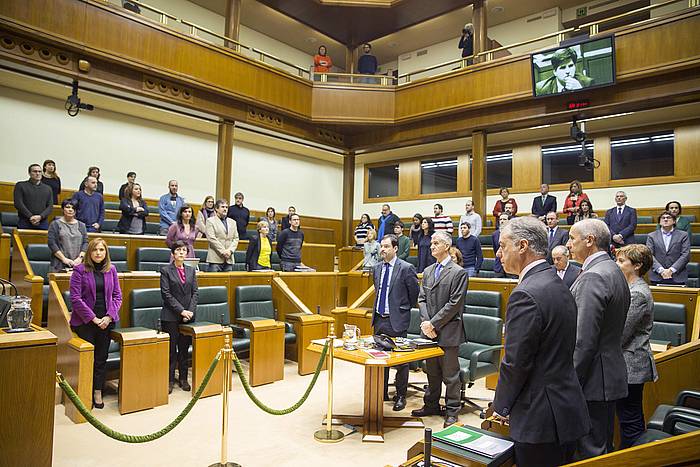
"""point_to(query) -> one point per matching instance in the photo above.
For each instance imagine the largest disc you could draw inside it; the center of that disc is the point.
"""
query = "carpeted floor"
(255, 438)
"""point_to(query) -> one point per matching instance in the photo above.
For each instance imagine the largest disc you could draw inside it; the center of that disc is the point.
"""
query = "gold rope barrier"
(329, 435)
(227, 357)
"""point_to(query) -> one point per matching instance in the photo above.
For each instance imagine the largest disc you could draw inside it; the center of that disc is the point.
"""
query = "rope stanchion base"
(329, 436)
(228, 464)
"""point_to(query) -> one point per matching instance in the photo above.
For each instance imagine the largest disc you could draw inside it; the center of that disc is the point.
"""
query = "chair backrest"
(691, 217)
(239, 257)
(152, 259)
(488, 264)
(693, 275)
(112, 205)
(483, 302)
(481, 331)
(213, 305)
(412, 260)
(669, 323)
(39, 256)
(254, 301)
(109, 225)
(152, 228)
(117, 254)
(9, 221)
(640, 239)
(489, 223)
(645, 220)
(145, 308)
(486, 240)
(414, 325)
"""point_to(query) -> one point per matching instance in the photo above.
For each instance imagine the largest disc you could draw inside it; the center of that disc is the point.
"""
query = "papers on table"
(473, 441)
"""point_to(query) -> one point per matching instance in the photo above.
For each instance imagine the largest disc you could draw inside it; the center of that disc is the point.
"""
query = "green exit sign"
(583, 11)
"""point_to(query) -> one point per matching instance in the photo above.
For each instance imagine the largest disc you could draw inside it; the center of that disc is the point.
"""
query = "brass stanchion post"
(329, 435)
(227, 358)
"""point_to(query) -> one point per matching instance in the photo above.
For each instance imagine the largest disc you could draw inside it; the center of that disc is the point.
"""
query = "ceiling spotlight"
(311, 40)
(392, 44)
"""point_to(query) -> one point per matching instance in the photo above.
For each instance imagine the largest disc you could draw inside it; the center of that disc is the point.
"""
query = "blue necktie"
(438, 270)
(619, 213)
(551, 235)
(381, 308)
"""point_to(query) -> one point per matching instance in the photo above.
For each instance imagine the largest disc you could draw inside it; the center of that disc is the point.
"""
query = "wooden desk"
(207, 340)
(372, 420)
(27, 385)
(5, 241)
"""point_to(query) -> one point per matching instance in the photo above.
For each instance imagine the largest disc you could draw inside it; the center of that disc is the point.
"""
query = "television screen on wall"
(574, 67)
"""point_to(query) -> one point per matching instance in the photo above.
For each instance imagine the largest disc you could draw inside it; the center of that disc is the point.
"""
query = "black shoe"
(170, 387)
(387, 398)
(100, 405)
(425, 411)
(185, 385)
(449, 420)
(400, 404)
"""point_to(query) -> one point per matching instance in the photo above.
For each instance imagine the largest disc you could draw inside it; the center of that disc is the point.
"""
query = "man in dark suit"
(543, 204)
(441, 304)
(537, 385)
(670, 248)
(621, 220)
(603, 299)
(497, 268)
(555, 235)
(566, 271)
(396, 286)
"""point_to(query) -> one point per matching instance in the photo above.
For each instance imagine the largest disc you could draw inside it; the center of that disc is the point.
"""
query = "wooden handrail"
(597, 23)
(265, 54)
(163, 14)
(291, 296)
(19, 247)
(356, 267)
(362, 298)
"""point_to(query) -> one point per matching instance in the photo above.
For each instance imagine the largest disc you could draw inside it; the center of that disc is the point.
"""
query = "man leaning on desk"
(538, 389)
(396, 286)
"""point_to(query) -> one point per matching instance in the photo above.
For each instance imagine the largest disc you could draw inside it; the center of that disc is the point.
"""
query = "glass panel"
(499, 169)
(560, 163)
(636, 156)
(383, 181)
(438, 176)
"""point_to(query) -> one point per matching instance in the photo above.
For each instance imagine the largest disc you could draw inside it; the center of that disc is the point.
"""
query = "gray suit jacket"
(220, 240)
(677, 256)
(537, 383)
(635, 337)
(403, 292)
(602, 298)
(442, 302)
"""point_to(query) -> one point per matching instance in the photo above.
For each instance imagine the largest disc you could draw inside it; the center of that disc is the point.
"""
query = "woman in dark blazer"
(425, 257)
(95, 298)
(178, 287)
(134, 211)
(634, 261)
(259, 249)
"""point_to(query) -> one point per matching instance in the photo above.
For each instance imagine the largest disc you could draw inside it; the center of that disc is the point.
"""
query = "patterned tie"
(381, 308)
(438, 270)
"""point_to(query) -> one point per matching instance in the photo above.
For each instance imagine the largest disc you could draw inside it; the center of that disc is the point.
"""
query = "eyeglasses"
(666, 217)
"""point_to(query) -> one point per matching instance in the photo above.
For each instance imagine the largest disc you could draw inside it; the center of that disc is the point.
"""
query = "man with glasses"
(671, 250)
(33, 201)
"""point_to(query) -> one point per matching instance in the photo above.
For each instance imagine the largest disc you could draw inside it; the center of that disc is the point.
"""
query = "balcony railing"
(530, 45)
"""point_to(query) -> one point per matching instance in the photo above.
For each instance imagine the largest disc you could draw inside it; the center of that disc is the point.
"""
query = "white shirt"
(562, 273)
(392, 264)
(527, 268)
(591, 258)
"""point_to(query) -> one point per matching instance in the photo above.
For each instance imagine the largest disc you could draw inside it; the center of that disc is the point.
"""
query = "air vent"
(405, 57)
(422, 52)
(549, 13)
(602, 4)
(533, 19)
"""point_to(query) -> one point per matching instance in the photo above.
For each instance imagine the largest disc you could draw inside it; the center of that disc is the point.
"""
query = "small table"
(373, 420)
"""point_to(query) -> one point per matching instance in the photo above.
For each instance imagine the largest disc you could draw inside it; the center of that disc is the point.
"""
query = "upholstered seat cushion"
(483, 302)
(669, 323)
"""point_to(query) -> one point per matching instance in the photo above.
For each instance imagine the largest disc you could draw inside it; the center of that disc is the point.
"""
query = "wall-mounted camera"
(73, 104)
(578, 134)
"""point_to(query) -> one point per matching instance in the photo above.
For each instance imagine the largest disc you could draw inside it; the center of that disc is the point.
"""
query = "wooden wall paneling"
(479, 145)
(314, 289)
(409, 178)
(358, 282)
(348, 198)
(463, 187)
(224, 159)
(527, 167)
(348, 257)
(5, 242)
(686, 150)
(66, 19)
(319, 257)
(601, 153)
(347, 104)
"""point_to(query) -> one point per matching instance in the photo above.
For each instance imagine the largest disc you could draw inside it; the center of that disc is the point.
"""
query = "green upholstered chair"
(669, 323)
(412, 260)
(694, 240)
(487, 268)
(145, 308)
(201, 254)
(9, 221)
(275, 261)
(689, 399)
(693, 275)
(213, 307)
(114, 205)
(152, 228)
(486, 240)
(117, 254)
(641, 239)
(254, 302)
(39, 256)
(645, 220)
(483, 302)
(152, 259)
(480, 355)
(109, 226)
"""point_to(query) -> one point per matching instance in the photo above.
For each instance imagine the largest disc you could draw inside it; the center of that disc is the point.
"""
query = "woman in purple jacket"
(95, 298)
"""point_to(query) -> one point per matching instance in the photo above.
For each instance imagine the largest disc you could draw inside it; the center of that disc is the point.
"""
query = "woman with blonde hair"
(371, 250)
(573, 201)
(95, 298)
(205, 213)
(259, 249)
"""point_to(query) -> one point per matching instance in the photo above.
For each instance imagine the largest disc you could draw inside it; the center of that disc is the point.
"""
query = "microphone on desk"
(427, 447)
(159, 326)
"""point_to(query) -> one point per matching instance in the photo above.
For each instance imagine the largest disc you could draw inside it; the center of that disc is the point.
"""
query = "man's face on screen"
(565, 70)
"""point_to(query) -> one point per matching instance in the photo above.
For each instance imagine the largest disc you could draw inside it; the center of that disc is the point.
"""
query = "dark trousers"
(179, 347)
(220, 267)
(100, 339)
(383, 326)
(543, 454)
(600, 439)
(630, 413)
(443, 369)
(288, 266)
(23, 223)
